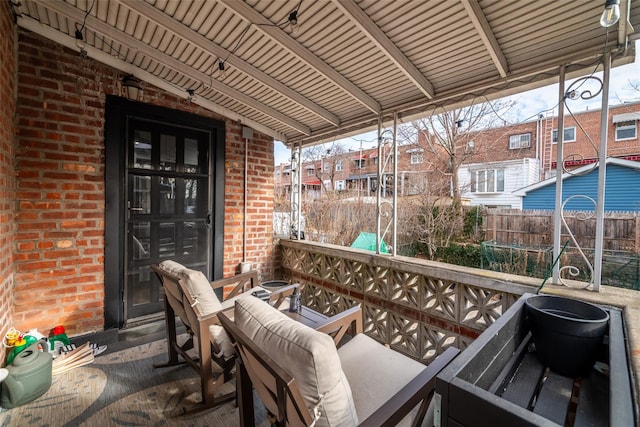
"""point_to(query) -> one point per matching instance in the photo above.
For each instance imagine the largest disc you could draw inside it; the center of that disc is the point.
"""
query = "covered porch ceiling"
(349, 63)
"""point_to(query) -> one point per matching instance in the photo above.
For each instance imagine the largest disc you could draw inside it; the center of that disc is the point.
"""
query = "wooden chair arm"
(421, 388)
(239, 280)
(278, 296)
(339, 324)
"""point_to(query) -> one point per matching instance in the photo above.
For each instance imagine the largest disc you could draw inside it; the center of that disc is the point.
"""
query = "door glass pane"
(142, 149)
(193, 200)
(140, 277)
(141, 203)
(195, 240)
(191, 155)
(490, 181)
(167, 195)
(167, 152)
(167, 239)
(140, 241)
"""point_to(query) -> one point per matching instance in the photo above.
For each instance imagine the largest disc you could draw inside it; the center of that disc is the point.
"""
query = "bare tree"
(434, 215)
(449, 138)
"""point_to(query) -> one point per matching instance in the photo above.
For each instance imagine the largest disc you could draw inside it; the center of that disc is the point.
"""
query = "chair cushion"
(199, 287)
(171, 291)
(307, 355)
(367, 365)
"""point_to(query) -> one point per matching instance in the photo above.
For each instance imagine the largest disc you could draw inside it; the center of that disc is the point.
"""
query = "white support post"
(557, 214)
(602, 173)
(296, 191)
(394, 240)
(379, 186)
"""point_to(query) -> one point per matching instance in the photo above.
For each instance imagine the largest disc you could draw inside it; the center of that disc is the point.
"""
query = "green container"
(29, 377)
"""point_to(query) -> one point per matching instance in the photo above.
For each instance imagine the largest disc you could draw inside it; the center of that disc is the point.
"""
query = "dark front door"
(164, 204)
(168, 207)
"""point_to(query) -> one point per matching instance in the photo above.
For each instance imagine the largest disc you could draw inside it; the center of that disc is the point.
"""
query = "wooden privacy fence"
(534, 228)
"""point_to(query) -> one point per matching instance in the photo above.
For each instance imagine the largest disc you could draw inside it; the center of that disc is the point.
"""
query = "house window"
(569, 135)
(310, 172)
(626, 130)
(487, 181)
(359, 163)
(416, 155)
(340, 185)
(522, 140)
(326, 166)
(339, 165)
(416, 158)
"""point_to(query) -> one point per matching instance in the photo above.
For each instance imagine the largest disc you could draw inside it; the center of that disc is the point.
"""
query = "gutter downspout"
(247, 133)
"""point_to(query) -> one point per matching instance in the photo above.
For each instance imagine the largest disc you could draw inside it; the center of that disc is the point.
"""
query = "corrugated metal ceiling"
(349, 62)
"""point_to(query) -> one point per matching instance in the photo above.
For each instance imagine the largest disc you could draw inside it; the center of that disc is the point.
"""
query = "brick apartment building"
(502, 160)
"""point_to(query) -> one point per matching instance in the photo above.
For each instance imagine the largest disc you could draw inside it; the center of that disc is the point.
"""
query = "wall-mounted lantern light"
(132, 88)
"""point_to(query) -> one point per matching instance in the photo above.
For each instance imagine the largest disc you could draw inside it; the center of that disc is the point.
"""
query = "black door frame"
(117, 112)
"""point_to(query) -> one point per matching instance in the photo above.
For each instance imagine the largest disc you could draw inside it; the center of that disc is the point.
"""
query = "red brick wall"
(259, 202)
(8, 61)
(590, 121)
(60, 179)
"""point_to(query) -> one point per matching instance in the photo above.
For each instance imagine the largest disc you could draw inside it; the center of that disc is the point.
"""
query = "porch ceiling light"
(222, 72)
(611, 13)
(79, 39)
(293, 21)
(132, 88)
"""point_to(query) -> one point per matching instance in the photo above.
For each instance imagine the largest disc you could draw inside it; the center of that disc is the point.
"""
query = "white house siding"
(517, 174)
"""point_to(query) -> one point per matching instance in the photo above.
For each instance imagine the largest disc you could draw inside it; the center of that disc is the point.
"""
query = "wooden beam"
(486, 34)
(182, 31)
(107, 30)
(272, 31)
(384, 43)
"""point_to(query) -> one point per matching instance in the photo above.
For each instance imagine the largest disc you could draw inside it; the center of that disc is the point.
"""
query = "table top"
(307, 316)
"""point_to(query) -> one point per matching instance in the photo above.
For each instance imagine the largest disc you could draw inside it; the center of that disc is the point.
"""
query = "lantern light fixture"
(132, 88)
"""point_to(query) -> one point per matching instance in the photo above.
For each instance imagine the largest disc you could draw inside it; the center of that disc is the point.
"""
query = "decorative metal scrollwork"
(573, 93)
(571, 269)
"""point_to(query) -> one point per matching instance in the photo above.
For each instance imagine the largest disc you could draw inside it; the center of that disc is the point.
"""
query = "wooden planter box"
(499, 381)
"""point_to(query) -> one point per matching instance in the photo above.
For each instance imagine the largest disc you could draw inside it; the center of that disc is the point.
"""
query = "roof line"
(610, 161)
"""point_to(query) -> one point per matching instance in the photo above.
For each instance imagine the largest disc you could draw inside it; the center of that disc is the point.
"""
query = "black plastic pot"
(274, 284)
(567, 333)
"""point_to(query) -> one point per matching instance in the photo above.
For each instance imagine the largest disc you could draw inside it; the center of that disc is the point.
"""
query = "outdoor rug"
(123, 389)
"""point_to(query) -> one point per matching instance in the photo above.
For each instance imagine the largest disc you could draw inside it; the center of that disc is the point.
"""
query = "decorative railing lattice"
(415, 306)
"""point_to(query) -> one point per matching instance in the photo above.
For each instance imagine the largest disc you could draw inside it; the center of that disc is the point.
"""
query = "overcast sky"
(528, 104)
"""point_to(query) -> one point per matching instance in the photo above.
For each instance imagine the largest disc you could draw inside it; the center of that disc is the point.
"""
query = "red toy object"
(57, 330)
(58, 338)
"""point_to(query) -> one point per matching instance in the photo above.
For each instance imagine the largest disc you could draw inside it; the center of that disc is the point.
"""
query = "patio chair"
(303, 379)
(190, 296)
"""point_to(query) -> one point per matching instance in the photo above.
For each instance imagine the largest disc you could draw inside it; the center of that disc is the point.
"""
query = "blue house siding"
(622, 191)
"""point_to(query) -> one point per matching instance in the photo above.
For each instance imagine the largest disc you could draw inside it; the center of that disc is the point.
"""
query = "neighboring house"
(497, 161)
(520, 155)
(622, 186)
(492, 184)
